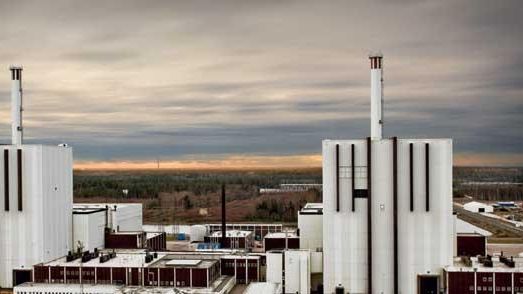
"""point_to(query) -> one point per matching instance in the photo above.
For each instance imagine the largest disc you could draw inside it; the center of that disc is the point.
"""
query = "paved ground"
(238, 289)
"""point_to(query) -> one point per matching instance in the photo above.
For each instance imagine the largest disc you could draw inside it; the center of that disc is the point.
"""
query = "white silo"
(387, 208)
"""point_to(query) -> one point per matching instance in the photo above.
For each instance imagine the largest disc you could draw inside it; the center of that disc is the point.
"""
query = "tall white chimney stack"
(376, 96)
(16, 105)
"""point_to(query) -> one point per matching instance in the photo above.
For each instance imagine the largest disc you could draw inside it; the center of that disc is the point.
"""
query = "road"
(488, 223)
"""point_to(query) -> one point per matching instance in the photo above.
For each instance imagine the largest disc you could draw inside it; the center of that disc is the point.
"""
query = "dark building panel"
(41, 274)
(135, 278)
(119, 274)
(471, 245)
(183, 277)
(485, 282)
(227, 267)
(72, 274)
(199, 277)
(503, 283)
(518, 282)
(460, 282)
(123, 241)
(252, 270)
(22, 276)
(103, 275)
(57, 274)
(150, 276)
(166, 277)
(88, 274)
(279, 243)
(240, 271)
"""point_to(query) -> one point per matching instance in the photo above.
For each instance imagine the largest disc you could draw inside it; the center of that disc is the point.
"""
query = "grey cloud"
(141, 79)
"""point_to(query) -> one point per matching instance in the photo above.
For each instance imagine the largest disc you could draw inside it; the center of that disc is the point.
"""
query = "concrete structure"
(36, 200)
(263, 287)
(198, 233)
(310, 226)
(89, 228)
(291, 269)
(475, 206)
(388, 220)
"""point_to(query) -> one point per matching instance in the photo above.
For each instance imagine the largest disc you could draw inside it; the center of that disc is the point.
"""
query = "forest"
(179, 196)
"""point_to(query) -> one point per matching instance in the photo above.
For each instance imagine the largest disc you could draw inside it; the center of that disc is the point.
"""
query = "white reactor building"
(388, 224)
(36, 196)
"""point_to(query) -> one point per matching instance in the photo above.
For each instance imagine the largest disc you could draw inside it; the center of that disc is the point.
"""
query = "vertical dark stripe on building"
(411, 175)
(395, 208)
(20, 183)
(427, 178)
(353, 176)
(337, 177)
(224, 216)
(12, 74)
(6, 179)
(369, 213)
(282, 271)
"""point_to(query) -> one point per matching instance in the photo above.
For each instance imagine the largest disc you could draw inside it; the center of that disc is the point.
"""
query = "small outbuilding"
(475, 206)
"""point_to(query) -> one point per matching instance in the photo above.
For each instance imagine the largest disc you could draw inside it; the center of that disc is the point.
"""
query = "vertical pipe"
(6, 179)
(337, 178)
(411, 175)
(427, 178)
(369, 213)
(224, 230)
(16, 105)
(353, 176)
(395, 208)
(376, 95)
(20, 183)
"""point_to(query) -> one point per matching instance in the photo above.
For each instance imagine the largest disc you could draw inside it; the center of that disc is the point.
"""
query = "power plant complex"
(386, 226)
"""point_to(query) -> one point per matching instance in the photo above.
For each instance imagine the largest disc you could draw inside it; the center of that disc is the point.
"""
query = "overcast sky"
(196, 81)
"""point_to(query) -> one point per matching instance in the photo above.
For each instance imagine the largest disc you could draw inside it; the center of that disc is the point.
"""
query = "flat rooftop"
(479, 267)
(137, 259)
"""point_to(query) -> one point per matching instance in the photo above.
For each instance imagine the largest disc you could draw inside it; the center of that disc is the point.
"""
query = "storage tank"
(198, 232)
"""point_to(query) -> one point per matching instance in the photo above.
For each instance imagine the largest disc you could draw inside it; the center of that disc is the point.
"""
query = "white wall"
(42, 231)
(424, 238)
(297, 270)
(127, 217)
(311, 231)
(89, 229)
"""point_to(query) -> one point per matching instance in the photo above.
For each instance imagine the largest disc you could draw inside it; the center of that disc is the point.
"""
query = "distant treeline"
(149, 184)
(489, 183)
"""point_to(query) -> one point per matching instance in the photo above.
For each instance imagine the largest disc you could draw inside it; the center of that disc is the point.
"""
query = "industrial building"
(387, 209)
(36, 207)
(385, 226)
(478, 207)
